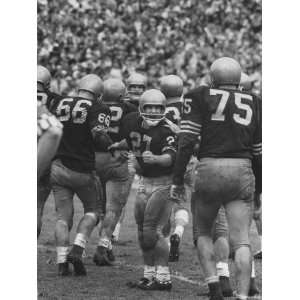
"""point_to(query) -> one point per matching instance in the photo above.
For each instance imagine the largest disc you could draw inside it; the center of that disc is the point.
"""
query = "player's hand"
(121, 155)
(177, 193)
(149, 157)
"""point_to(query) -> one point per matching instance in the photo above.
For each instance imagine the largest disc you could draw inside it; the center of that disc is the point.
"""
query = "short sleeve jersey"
(174, 112)
(80, 118)
(118, 112)
(159, 140)
(229, 122)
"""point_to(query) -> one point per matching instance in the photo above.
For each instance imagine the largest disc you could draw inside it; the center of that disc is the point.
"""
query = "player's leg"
(46, 149)
(156, 217)
(43, 191)
(238, 212)
(63, 197)
(148, 255)
(131, 176)
(181, 213)
(206, 200)
(222, 249)
(116, 198)
(258, 221)
(89, 191)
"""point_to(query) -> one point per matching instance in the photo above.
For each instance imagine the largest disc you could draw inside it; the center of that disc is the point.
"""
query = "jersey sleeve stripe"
(189, 131)
(190, 128)
(187, 122)
(257, 153)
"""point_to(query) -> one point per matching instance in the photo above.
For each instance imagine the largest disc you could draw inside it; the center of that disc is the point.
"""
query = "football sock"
(163, 273)
(149, 272)
(241, 297)
(214, 286)
(222, 269)
(62, 253)
(105, 242)
(79, 244)
(116, 232)
(253, 269)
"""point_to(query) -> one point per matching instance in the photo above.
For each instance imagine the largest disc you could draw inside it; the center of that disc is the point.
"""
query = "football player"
(49, 135)
(113, 170)
(229, 122)
(172, 87)
(85, 121)
(136, 85)
(154, 146)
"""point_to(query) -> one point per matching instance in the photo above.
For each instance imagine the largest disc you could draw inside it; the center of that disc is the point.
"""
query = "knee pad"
(94, 216)
(182, 217)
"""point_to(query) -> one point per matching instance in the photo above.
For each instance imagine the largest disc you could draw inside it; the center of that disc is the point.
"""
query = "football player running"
(229, 122)
(154, 145)
(85, 121)
(49, 135)
(136, 85)
(113, 170)
(172, 87)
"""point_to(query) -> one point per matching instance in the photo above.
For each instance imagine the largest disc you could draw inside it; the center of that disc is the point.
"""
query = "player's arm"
(190, 130)
(99, 121)
(168, 156)
(257, 150)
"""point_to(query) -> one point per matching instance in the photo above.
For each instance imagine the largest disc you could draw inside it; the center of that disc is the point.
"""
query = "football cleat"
(174, 249)
(253, 290)
(43, 78)
(63, 269)
(113, 91)
(258, 255)
(171, 86)
(91, 83)
(149, 99)
(245, 83)
(143, 282)
(136, 85)
(110, 255)
(102, 258)
(225, 286)
(155, 285)
(225, 71)
(76, 261)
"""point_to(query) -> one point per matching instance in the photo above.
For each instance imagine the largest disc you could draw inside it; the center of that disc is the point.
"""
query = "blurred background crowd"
(117, 37)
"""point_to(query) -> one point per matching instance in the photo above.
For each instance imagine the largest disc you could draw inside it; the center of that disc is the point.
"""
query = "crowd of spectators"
(118, 37)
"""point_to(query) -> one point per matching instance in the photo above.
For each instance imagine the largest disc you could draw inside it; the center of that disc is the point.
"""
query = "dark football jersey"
(49, 99)
(118, 112)
(228, 121)
(159, 139)
(174, 112)
(80, 118)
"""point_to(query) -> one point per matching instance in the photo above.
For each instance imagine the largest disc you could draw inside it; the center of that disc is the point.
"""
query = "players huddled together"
(198, 152)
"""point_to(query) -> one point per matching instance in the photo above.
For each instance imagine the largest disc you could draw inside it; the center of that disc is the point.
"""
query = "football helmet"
(225, 71)
(152, 106)
(171, 86)
(91, 83)
(245, 83)
(113, 90)
(43, 78)
(136, 85)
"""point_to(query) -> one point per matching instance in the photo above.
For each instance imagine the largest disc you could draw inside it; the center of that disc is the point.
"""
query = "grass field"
(111, 282)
